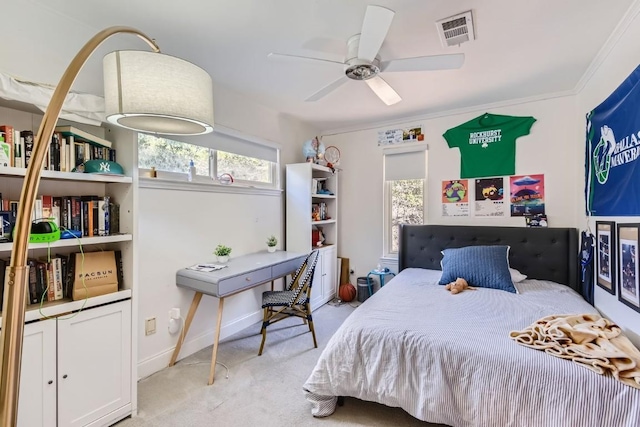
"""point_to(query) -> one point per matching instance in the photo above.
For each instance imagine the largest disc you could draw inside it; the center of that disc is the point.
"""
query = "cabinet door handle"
(50, 382)
(64, 376)
(248, 279)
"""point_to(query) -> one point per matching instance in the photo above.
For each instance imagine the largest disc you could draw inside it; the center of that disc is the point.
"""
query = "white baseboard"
(158, 362)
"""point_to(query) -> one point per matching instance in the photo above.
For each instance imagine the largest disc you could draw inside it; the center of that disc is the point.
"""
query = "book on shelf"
(82, 136)
(91, 215)
(7, 155)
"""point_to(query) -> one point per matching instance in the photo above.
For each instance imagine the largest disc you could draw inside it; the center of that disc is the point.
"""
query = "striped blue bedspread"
(448, 359)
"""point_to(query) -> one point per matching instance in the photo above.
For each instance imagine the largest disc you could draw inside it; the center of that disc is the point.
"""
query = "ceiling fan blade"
(285, 57)
(424, 63)
(327, 89)
(377, 21)
(383, 90)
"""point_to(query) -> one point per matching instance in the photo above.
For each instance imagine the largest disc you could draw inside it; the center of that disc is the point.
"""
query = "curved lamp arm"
(17, 275)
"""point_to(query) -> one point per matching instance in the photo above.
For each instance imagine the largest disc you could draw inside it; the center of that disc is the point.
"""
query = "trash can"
(363, 289)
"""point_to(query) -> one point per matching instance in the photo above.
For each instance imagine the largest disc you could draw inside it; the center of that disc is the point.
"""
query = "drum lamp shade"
(157, 93)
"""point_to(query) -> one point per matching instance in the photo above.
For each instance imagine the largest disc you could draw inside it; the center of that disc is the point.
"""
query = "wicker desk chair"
(293, 301)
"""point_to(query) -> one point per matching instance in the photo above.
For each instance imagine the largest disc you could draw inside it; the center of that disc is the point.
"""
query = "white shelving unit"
(79, 357)
(302, 197)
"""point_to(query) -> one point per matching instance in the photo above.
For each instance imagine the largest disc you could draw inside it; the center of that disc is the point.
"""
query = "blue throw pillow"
(481, 266)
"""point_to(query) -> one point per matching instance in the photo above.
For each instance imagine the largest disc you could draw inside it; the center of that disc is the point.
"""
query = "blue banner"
(612, 150)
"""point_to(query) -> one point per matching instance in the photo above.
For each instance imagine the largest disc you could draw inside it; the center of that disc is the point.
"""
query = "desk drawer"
(244, 281)
(287, 267)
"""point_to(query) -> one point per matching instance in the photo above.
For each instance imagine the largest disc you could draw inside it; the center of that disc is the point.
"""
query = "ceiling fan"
(363, 63)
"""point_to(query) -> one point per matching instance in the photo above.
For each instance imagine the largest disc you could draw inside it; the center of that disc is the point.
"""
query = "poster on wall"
(527, 195)
(612, 173)
(455, 197)
(606, 255)
(489, 199)
(628, 278)
(399, 136)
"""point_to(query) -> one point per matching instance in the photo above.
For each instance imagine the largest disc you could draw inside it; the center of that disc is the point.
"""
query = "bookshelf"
(309, 212)
(60, 338)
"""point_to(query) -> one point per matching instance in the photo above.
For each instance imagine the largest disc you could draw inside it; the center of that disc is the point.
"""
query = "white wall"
(181, 228)
(176, 228)
(619, 63)
(554, 147)
(549, 149)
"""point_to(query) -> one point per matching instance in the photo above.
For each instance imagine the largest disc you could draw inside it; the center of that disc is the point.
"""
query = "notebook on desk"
(206, 267)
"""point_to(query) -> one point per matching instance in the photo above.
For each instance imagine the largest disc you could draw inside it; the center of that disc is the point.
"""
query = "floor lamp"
(144, 91)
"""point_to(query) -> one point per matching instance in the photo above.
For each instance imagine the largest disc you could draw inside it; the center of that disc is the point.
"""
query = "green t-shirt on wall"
(488, 144)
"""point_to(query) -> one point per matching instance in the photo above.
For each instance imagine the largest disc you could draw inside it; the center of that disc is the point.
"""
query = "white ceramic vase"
(271, 248)
(223, 259)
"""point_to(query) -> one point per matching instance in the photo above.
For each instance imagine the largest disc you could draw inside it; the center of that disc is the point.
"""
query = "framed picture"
(606, 255)
(7, 221)
(628, 285)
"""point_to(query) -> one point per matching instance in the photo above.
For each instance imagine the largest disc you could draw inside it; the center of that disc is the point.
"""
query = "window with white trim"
(214, 155)
(405, 171)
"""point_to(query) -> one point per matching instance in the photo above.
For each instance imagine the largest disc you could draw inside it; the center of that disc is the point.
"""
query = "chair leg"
(265, 322)
(311, 328)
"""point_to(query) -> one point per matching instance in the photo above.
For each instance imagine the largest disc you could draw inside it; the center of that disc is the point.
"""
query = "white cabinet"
(312, 211)
(324, 278)
(94, 378)
(76, 369)
(37, 403)
(93, 348)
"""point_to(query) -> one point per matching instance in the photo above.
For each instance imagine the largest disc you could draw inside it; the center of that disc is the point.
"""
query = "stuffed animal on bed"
(458, 286)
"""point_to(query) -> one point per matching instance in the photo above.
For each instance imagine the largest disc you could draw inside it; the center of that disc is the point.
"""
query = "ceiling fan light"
(157, 93)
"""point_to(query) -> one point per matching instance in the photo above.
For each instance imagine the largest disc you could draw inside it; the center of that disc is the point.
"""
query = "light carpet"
(261, 390)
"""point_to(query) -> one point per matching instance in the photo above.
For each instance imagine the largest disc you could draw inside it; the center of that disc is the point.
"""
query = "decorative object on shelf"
(271, 243)
(225, 179)
(102, 167)
(347, 292)
(176, 101)
(222, 252)
(191, 174)
(317, 237)
(332, 155)
(313, 150)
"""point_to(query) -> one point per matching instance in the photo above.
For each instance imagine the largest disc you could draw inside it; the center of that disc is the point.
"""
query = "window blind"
(405, 163)
(234, 142)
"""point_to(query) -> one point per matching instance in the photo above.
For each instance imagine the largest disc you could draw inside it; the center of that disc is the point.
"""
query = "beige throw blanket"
(587, 339)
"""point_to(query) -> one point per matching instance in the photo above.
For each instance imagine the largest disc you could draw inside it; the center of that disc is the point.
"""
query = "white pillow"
(516, 276)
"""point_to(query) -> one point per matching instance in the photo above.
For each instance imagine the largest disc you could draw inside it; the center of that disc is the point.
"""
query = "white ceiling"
(522, 49)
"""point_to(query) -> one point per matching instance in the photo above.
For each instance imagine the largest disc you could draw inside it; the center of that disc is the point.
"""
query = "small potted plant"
(271, 243)
(222, 252)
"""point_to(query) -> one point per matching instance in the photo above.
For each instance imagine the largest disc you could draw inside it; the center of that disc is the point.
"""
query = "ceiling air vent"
(456, 30)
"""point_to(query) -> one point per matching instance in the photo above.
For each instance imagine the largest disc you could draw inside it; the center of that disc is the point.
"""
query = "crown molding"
(429, 116)
(607, 47)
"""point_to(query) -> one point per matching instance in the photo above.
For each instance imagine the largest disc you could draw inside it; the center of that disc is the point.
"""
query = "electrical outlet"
(150, 326)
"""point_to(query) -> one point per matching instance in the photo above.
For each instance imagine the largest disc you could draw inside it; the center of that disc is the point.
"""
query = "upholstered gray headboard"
(540, 253)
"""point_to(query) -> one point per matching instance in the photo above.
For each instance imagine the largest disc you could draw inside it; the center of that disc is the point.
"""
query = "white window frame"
(209, 183)
(387, 237)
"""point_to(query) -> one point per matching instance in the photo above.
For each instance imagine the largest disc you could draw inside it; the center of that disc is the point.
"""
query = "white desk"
(242, 273)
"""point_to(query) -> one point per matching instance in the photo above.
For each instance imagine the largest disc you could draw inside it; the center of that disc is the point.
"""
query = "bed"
(448, 359)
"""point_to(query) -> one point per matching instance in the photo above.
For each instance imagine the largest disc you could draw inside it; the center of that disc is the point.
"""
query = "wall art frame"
(606, 262)
(628, 275)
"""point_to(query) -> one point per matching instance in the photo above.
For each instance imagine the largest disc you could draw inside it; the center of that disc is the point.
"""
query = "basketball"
(347, 292)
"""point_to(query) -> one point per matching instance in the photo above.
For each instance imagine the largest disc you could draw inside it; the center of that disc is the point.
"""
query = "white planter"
(223, 259)
(271, 248)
